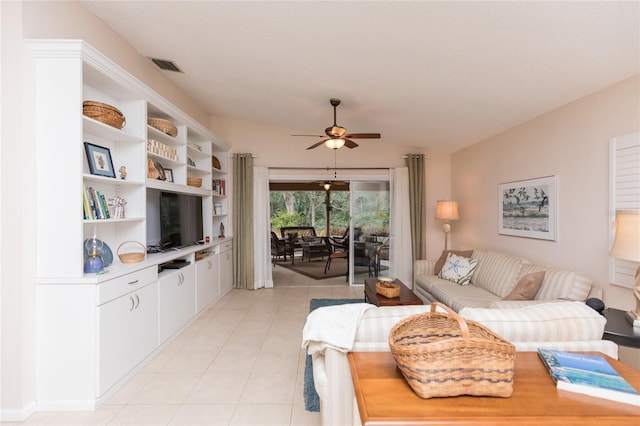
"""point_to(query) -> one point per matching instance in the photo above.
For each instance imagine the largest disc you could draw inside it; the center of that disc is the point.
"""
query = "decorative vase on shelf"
(93, 263)
(221, 230)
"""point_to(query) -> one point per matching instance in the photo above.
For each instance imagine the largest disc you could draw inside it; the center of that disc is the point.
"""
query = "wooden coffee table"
(384, 398)
(407, 297)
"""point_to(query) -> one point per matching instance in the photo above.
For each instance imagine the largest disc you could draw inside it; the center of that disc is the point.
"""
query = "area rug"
(311, 398)
(315, 268)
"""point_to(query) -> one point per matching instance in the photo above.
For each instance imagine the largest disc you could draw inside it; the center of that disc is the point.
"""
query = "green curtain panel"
(243, 221)
(415, 164)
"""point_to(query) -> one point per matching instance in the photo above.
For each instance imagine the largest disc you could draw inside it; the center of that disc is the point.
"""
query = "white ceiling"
(438, 75)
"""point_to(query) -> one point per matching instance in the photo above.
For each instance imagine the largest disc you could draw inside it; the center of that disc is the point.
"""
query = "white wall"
(17, 235)
(571, 143)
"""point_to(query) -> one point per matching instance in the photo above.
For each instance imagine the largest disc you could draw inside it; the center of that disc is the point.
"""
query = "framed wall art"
(527, 208)
(99, 159)
(168, 174)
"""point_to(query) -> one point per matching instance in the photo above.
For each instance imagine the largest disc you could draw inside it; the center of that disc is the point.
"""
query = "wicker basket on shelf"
(104, 113)
(215, 163)
(197, 182)
(441, 354)
(134, 256)
(165, 126)
(388, 289)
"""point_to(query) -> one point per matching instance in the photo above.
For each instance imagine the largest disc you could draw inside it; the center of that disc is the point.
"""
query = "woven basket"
(132, 256)
(165, 126)
(197, 182)
(215, 163)
(388, 289)
(104, 113)
(443, 355)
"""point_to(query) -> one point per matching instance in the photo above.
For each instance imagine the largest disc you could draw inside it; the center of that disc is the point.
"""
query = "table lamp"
(626, 245)
(446, 210)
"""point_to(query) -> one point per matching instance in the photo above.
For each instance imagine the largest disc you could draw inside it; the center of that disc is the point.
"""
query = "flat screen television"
(180, 220)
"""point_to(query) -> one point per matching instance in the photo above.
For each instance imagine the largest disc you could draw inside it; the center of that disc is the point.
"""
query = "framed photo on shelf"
(168, 174)
(99, 159)
(527, 208)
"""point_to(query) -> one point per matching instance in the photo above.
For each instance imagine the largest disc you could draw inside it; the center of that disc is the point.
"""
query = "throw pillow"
(458, 269)
(527, 287)
(443, 258)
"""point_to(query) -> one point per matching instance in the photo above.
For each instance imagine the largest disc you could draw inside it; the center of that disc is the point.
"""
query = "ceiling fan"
(336, 136)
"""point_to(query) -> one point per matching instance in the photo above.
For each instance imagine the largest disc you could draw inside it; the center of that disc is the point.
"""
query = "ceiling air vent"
(165, 65)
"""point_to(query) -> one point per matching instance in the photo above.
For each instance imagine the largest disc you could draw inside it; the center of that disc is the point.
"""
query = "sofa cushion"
(527, 287)
(443, 258)
(496, 272)
(458, 269)
(457, 297)
(559, 283)
(547, 322)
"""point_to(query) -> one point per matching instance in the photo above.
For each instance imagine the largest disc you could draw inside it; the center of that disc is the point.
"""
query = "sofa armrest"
(332, 376)
(423, 267)
(596, 292)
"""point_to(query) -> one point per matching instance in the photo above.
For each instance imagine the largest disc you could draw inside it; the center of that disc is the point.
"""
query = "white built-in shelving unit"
(95, 330)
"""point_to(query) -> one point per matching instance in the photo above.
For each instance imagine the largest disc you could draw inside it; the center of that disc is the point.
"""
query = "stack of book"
(218, 186)
(94, 204)
(589, 375)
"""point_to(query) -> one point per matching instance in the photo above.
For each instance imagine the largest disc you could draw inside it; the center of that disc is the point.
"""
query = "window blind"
(624, 193)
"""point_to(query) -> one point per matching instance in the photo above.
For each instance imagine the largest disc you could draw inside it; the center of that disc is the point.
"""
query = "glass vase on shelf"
(93, 262)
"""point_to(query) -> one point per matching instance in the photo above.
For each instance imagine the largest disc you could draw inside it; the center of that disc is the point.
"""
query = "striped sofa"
(495, 276)
(571, 326)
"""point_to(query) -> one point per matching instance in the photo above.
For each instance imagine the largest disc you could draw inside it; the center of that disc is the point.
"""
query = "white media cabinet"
(94, 331)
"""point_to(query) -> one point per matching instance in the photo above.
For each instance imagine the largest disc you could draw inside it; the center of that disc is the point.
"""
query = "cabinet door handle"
(181, 279)
(133, 282)
(210, 264)
(133, 304)
(137, 301)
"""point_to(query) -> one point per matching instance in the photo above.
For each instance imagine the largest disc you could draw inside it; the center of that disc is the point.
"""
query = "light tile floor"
(239, 363)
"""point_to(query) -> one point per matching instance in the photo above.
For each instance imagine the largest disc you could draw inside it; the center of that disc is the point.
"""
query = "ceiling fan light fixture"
(327, 186)
(334, 143)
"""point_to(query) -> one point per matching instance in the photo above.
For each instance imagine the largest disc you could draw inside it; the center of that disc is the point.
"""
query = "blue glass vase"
(94, 262)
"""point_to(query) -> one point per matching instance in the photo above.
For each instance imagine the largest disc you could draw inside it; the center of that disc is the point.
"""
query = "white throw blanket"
(333, 326)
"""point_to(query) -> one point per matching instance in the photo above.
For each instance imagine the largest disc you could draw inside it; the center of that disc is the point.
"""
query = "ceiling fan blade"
(315, 145)
(315, 136)
(349, 143)
(363, 135)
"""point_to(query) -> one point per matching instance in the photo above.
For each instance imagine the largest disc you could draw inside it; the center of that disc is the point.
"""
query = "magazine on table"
(589, 375)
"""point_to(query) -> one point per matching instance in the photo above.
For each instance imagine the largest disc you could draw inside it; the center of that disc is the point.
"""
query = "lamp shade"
(447, 210)
(626, 244)
(334, 143)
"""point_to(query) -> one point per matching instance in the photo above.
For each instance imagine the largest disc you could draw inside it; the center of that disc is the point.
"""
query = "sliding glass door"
(369, 248)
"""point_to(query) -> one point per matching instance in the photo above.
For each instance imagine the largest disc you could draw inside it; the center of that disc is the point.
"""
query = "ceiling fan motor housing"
(335, 131)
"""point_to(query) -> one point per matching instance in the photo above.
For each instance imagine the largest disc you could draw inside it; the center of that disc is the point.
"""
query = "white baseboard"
(18, 415)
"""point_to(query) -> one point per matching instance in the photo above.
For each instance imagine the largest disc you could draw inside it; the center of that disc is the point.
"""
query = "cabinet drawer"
(227, 245)
(116, 287)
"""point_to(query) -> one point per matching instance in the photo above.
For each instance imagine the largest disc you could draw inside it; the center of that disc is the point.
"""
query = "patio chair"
(338, 249)
(280, 247)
